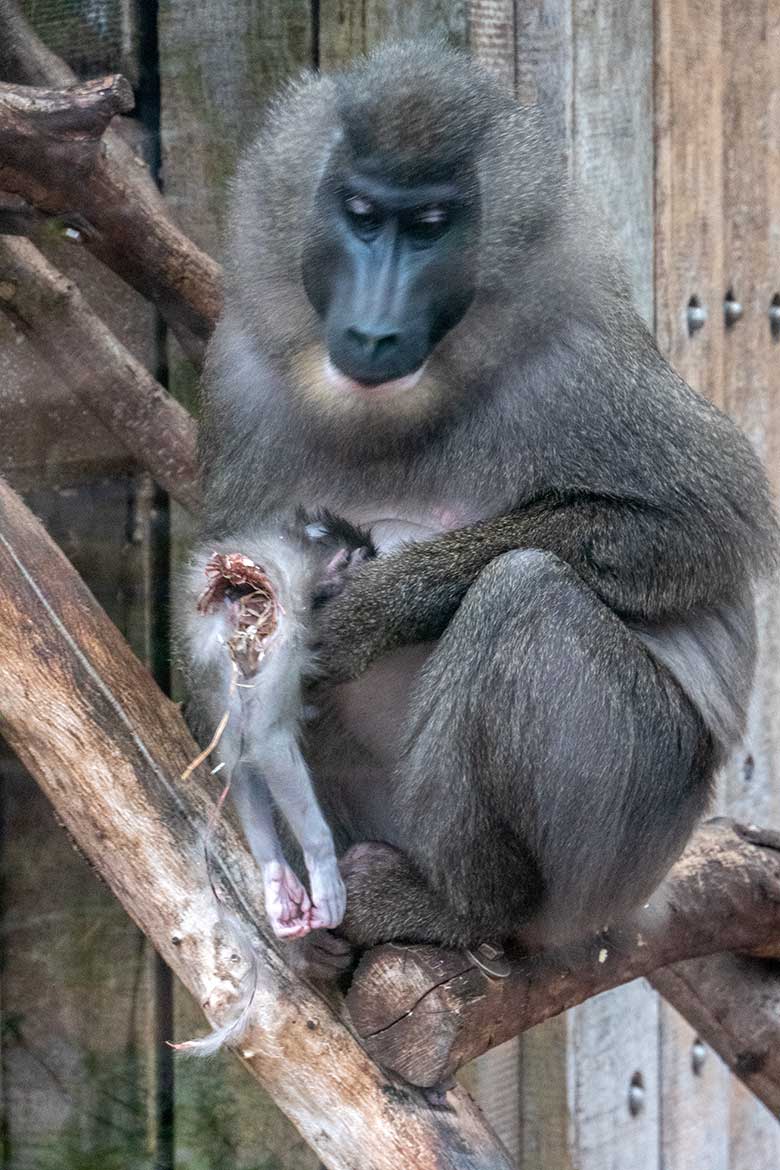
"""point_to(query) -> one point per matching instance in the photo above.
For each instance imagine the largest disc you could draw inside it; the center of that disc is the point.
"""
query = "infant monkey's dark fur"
(534, 683)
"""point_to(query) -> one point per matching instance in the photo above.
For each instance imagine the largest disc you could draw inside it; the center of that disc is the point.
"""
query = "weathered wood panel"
(713, 81)
(351, 27)
(689, 273)
(589, 65)
(613, 1040)
(751, 384)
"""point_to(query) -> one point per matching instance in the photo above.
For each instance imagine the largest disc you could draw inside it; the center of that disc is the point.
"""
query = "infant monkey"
(247, 647)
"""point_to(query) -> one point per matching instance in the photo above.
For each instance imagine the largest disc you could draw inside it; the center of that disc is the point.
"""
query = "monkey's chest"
(392, 524)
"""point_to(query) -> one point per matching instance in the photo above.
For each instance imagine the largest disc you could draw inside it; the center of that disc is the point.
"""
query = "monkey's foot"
(287, 904)
(328, 894)
(321, 956)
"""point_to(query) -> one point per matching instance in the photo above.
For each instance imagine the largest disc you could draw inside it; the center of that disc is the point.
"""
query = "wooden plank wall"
(717, 226)
(670, 113)
(590, 63)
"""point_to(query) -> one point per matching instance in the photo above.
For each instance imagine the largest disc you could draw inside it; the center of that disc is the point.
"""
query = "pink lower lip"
(335, 377)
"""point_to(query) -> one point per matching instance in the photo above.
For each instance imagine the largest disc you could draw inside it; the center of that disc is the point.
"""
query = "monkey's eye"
(362, 214)
(430, 222)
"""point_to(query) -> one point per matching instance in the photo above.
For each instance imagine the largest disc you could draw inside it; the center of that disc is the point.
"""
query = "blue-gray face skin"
(389, 269)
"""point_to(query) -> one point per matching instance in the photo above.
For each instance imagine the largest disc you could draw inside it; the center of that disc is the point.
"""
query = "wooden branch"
(51, 311)
(57, 154)
(77, 115)
(733, 1002)
(424, 1012)
(108, 747)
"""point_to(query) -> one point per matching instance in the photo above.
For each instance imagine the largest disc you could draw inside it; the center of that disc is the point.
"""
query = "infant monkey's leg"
(275, 752)
(287, 905)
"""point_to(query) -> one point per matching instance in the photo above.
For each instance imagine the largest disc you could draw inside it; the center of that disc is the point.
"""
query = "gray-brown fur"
(547, 679)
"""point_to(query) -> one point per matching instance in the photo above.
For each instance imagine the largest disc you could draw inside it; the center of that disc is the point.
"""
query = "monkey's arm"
(647, 564)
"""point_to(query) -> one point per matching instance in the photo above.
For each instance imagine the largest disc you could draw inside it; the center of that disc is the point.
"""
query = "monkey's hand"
(350, 628)
(411, 595)
(406, 597)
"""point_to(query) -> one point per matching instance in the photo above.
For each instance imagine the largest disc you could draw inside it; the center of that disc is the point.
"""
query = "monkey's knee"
(532, 565)
(552, 752)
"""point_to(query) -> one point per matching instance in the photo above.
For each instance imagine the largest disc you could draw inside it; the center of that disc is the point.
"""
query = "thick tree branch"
(424, 1012)
(733, 1002)
(51, 311)
(108, 748)
(58, 155)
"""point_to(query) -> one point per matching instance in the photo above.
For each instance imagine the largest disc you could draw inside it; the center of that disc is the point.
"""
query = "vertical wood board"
(589, 65)
(751, 389)
(689, 263)
(613, 1039)
(349, 28)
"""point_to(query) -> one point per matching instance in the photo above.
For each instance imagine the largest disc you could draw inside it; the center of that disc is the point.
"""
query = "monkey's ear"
(324, 526)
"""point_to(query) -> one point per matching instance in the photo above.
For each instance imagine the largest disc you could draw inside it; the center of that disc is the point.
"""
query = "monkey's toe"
(321, 956)
(287, 904)
(328, 895)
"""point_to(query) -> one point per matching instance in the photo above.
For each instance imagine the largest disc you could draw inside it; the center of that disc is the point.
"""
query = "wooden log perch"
(59, 155)
(148, 421)
(78, 115)
(108, 748)
(424, 1012)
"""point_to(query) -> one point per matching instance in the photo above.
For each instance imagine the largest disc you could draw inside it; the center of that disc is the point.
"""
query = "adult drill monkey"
(533, 684)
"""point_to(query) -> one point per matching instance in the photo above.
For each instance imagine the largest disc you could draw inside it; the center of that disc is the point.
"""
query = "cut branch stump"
(424, 1012)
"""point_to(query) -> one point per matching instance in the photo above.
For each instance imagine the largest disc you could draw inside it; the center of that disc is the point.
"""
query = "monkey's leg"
(279, 759)
(552, 771)
(287, 905)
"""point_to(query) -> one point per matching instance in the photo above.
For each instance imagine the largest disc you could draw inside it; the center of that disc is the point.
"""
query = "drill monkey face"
(389, 270)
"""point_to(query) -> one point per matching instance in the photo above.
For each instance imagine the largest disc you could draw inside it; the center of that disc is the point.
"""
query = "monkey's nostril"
(372, 343)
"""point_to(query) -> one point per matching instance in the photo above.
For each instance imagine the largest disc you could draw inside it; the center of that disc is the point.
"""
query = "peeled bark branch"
(51, 311)
(75, 117)
(58, 153)
(424, 1012)
(108, 748)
